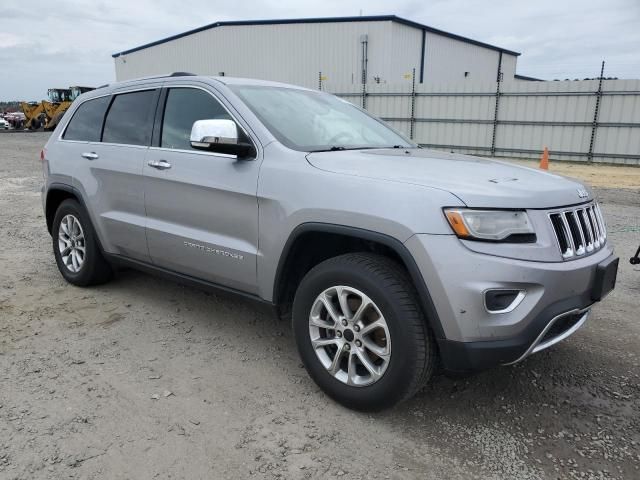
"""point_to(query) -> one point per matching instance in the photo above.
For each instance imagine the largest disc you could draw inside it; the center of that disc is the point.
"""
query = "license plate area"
(605, 281)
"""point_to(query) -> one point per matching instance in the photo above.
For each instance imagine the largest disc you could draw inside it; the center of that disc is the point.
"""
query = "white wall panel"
(531, 115)
(296, 52)
(293, 53)
(447, 60)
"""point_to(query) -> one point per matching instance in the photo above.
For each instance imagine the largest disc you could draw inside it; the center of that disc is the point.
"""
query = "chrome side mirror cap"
(204, 133)
(220, 136)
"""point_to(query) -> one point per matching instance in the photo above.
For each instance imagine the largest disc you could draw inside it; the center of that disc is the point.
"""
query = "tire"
(407, 338)
(86, 269)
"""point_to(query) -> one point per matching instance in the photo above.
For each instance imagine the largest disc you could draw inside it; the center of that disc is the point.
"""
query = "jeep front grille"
(579, 231)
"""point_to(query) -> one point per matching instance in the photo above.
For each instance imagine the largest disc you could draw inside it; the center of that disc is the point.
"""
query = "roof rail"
(182, 74)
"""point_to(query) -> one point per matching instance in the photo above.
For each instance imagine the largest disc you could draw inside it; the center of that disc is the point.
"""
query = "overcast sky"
(56, 44)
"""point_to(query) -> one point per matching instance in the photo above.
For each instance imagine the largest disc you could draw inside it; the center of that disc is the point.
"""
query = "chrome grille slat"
(587, 227)
(579, 231)
(572, 247)
(582, 248)
(596, 229)
(603, 227)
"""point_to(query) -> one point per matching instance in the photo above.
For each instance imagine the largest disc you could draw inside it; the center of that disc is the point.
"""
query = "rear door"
(202, 209)
(111, 173)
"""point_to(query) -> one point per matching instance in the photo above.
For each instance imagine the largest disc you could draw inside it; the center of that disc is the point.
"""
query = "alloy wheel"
(71, 243)
(350, 336)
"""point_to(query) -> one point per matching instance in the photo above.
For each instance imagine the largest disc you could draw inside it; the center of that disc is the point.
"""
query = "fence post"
(594, 125)
(495, 113)
(319, 80)
(412, 120)
(364, 96)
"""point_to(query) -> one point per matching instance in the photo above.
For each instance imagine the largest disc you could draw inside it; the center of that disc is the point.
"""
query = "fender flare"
(424, 297)
(64, 188)
(78, 196)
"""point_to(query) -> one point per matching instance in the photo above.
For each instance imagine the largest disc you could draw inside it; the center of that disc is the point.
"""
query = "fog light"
(502, 300)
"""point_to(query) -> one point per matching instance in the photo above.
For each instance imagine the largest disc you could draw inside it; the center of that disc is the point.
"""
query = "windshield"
(313, 121)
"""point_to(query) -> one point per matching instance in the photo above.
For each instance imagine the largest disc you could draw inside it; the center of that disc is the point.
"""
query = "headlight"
(493, 225)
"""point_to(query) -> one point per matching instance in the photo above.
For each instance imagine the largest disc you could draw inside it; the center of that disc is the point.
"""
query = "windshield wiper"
(339, 148)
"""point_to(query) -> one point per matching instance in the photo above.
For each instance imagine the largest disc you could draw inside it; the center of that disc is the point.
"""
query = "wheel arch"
(56, 194)
(351, 236)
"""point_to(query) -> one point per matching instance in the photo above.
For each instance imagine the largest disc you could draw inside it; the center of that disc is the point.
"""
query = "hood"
(478, 182)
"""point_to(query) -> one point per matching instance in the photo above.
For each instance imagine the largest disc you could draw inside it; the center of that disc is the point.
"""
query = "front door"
(202, 209)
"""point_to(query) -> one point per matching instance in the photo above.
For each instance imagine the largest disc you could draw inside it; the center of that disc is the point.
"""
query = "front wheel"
(361, 333)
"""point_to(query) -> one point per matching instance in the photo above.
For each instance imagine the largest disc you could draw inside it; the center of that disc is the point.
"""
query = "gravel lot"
(144, 378)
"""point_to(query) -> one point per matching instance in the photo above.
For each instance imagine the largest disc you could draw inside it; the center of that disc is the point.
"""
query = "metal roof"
(524, 77)
(370, 18)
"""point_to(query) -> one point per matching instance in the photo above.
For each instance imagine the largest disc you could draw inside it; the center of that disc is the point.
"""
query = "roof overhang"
(288, 21)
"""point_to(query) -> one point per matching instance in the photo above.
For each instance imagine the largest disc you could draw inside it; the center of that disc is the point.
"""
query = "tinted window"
(130, 119)
(184, 106)
(86, 123)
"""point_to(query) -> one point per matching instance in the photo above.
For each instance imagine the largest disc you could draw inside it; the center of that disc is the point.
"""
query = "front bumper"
(471, 338)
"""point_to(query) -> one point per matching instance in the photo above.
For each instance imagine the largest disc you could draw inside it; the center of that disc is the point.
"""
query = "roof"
(288, 21)
(524, 77)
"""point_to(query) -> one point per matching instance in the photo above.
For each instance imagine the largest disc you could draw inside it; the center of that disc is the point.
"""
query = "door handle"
(90, 155)
(159, 164)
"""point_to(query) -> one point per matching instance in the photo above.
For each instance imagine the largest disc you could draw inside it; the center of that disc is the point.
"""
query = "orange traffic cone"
(544, 160)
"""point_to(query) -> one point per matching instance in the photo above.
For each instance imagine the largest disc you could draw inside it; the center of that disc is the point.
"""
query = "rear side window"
(130, 119)
(86, 124)
(183, 107)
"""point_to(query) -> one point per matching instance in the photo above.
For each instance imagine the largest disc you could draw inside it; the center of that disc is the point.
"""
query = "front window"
(185, 106)
(312, 121)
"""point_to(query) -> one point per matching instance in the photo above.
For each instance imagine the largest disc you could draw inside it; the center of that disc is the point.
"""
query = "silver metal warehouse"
(345, 50)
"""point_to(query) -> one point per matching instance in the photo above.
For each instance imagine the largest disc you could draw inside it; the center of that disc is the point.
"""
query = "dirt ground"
(144, 378)
(597, 175)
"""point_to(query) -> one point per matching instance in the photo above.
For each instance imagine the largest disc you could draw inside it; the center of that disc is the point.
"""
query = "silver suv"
(391, 260)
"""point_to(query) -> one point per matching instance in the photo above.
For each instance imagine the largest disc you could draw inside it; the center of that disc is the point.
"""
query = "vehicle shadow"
(574, 379)
(554, 401)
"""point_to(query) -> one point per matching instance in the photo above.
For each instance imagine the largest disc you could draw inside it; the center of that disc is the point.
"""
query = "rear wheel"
(76, 248)
(361, 333)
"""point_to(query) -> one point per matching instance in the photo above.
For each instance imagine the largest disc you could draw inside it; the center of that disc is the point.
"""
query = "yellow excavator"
(48, 113)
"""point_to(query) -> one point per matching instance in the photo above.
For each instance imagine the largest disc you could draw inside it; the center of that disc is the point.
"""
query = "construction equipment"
(48, 113)
(33, 112)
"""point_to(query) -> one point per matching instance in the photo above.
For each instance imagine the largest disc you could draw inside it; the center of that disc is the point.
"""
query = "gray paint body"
(227, 221)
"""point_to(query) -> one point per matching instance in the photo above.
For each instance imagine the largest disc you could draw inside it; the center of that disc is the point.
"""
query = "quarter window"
(86, 124)
(183, 107)
(130, 119)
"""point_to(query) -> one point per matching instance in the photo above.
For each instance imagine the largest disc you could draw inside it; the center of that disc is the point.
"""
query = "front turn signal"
(457, 223)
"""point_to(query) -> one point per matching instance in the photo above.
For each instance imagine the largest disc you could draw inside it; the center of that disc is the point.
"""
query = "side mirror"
(220, 136)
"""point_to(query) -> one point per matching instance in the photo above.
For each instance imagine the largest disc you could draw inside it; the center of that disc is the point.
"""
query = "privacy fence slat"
(530, 116)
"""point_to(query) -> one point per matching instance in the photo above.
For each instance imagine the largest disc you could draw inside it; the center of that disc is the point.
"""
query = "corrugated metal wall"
(530, 115)
(296, 53)
(293, 53)
(447, 60)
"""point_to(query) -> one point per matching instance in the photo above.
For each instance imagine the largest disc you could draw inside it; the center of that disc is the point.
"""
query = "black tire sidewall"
(87, 272)
(398, 378)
